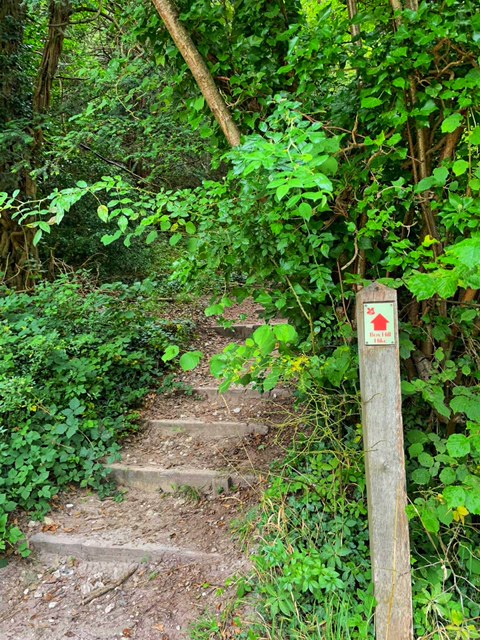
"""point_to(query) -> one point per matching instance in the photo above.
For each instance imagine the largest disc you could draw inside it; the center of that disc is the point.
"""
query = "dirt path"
(149, 566)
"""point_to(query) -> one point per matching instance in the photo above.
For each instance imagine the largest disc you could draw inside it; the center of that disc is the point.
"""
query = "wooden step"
(207, 430)
(153, 478)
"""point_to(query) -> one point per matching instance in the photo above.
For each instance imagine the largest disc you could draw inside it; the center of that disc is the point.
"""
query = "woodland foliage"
(358, 161)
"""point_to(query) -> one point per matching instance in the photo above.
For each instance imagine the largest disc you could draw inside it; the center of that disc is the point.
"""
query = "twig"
(103, 590)
(121, 166)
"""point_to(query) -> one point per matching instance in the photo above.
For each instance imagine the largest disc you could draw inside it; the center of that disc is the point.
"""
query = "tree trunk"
(15, 241)
(18, 256)
(59, 13)
(199, 70)
(352, 12)
(59, 18)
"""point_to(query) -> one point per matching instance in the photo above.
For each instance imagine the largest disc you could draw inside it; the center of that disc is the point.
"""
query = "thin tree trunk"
(18, 257)
(352, 12)
(15, 241)
(396, 6)
(59, 14)
(199, 70)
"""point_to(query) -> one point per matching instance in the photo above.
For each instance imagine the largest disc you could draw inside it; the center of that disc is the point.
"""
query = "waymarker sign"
(378, 355)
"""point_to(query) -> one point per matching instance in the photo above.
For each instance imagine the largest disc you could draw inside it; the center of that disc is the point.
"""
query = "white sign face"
(379, 323)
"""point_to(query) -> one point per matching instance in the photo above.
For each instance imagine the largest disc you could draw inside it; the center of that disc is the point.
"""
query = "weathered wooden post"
(377, 323)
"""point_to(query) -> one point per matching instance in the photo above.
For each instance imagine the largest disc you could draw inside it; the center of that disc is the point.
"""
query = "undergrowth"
(312, 564)
(310, 538)
(75, 363)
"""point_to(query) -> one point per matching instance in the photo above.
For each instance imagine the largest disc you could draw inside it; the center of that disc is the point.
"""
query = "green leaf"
(452, 122)
(472, 502)
(458, 445)
(285, 333)
(475, 136)
(459, 167)
(415, 449)
(37, 237)
(190, 360)
(271, 381)
(437, 179)
(171, 352)
(467, 252)
(206, 132)
(429, 520)
(151, 237)
(305, 210)
(467, 404)
(199, 103)
(102, 212)
(190, 228)
(217, 365)
(264, 339)
(371, 102)
(444, 514)
(282, 190)
(323, 182)
(421, 476)
(440, 175)
(214, 310)
(426, 460)
(441, 282)
(108, 239)
(175, 239)
(454, 496)
(74, 404)
(474, 184)
(415, 435)
(425, 184)
(448, 475)
(447, 283)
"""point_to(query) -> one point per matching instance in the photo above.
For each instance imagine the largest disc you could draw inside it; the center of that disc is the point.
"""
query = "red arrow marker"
(380, 323)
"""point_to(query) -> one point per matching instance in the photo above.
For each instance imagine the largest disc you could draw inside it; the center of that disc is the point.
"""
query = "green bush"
(313, 560)
(75, 363)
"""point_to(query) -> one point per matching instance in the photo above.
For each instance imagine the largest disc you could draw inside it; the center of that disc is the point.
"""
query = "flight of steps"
(163, 480)
(186, 477)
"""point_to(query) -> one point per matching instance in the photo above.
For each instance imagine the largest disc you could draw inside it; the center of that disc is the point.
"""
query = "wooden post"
(378, 349)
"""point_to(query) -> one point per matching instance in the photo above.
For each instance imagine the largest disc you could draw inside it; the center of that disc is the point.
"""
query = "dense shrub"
(75, 363)
(313, 561)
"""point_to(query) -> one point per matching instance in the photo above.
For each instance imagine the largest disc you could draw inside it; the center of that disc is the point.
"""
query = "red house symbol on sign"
(380, 323)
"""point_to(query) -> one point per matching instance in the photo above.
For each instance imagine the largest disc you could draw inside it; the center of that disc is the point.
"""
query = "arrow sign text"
(379, 322)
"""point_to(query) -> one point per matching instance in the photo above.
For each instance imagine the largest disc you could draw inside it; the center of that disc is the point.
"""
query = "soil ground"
(51, 598)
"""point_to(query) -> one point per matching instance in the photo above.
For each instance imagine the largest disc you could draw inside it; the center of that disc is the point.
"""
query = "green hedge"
(75, 362)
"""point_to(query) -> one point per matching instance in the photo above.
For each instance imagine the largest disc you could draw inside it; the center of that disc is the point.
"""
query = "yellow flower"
(460, 513)
(299, 363)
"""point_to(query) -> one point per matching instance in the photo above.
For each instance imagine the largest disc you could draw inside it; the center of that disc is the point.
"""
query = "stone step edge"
(242, 330)
(98, 550)
(212, 393)
(207, 429)
(153, 478)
